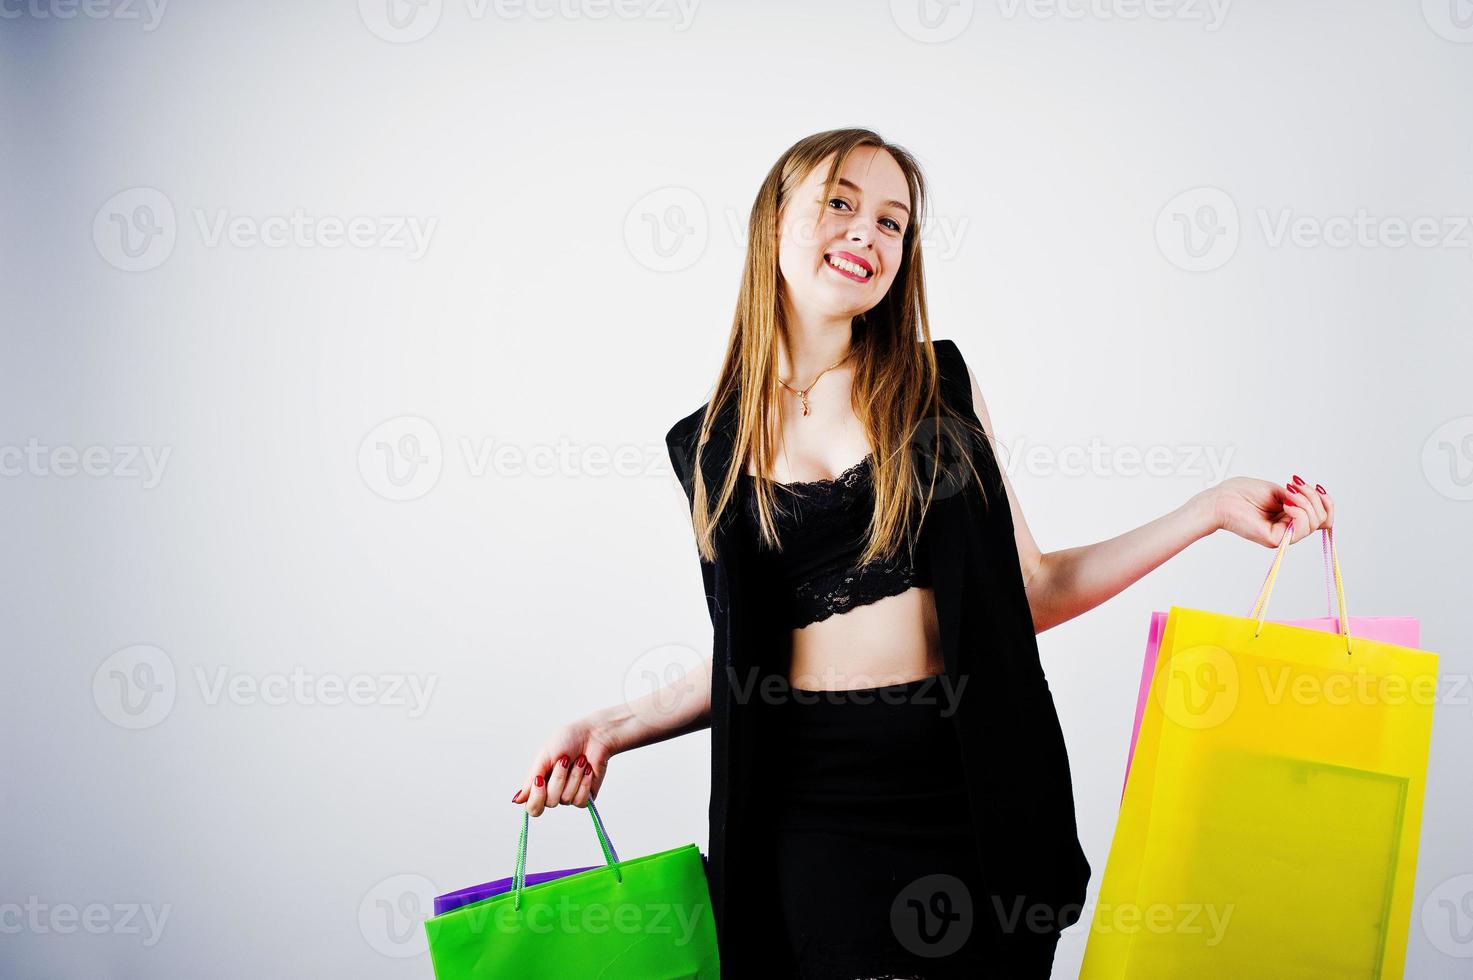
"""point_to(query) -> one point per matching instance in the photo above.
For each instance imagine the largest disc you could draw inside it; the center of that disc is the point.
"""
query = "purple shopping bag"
(465, 896)
(475, 893)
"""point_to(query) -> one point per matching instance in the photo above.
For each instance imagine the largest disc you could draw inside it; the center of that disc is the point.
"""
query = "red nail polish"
(516, 797)
(539, 779)
(562, 760)
(1320, 488)
(580, 762)
(1298, 480)
(1292, 488)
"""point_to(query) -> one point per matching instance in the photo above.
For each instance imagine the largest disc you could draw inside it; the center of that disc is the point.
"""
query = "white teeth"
(847, 266)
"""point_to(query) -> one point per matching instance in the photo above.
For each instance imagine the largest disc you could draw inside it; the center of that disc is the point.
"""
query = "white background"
(542, 152)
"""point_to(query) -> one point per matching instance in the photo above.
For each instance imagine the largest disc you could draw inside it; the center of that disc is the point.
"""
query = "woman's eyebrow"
(853, 187)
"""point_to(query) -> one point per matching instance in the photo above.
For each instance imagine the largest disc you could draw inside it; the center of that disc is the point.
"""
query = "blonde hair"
(895, 391)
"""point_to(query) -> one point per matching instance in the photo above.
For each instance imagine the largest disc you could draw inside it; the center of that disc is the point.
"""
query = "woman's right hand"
(568, 768)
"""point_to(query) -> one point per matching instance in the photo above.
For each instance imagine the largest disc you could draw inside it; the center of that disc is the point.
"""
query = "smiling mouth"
(845, 267)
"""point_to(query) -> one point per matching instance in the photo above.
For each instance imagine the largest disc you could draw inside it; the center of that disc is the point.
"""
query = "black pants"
(875, 868)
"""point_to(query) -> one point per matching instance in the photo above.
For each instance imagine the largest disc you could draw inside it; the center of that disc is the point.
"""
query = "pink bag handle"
(1335, 591)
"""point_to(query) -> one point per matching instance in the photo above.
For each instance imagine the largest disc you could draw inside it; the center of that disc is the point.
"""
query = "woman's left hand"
(1259, 511)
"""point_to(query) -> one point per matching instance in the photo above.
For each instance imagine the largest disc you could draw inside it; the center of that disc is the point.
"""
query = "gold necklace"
(802, 393)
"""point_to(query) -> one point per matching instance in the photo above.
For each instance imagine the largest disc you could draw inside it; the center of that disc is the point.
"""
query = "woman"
(898, 803)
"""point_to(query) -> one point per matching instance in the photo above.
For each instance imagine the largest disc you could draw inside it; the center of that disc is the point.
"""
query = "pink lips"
(851, 257)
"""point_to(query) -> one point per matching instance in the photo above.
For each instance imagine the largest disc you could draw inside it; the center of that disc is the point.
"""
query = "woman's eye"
(890, 223)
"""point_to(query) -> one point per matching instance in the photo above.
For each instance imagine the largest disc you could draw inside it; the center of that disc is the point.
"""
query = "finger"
(585, 784)
(524, 795)
(1293, 511)
(557, 780)
(575, 778)
(1296, 506)
(538, 798)
(1312, 504)
(1329, 505)
(597, 772)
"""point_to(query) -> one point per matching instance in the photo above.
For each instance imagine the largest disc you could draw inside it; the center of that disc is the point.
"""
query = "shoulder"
(955, 377)
(686, 428)
(680, 443)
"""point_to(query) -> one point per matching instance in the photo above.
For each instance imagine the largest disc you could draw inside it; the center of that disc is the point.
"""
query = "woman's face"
(860, 227)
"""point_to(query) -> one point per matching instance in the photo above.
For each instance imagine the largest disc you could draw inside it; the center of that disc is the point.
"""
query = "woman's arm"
(1063, 584)
(571, 766)
(682, 706)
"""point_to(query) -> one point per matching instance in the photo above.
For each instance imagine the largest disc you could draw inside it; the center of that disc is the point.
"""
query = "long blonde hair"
(895, 392)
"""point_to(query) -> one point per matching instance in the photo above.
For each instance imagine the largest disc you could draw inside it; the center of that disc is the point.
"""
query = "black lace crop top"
(823, 526)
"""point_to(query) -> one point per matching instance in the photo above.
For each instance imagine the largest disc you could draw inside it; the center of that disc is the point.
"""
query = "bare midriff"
(890, 641)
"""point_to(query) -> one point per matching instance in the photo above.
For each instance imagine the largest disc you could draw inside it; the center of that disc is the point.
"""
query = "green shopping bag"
(648, 917)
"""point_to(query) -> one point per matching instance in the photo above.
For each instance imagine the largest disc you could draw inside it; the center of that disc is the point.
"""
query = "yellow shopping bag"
(1269, 825)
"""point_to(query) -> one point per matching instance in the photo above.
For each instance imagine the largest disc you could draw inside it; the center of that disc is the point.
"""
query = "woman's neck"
(808, 348)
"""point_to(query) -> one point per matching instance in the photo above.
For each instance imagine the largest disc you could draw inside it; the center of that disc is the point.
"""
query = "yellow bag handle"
(1332, 562)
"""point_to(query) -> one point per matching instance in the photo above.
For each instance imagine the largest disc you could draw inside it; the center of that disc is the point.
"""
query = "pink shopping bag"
(1402, 630)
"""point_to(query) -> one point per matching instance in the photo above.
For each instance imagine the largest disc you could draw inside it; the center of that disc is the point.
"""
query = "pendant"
(803, 397)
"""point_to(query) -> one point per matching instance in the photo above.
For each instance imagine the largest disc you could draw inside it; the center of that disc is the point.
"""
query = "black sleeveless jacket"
(1016, 768)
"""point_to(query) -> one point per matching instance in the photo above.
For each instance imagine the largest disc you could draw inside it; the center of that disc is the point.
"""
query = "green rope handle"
(520, 873)
(610, 856)
(519, 876)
